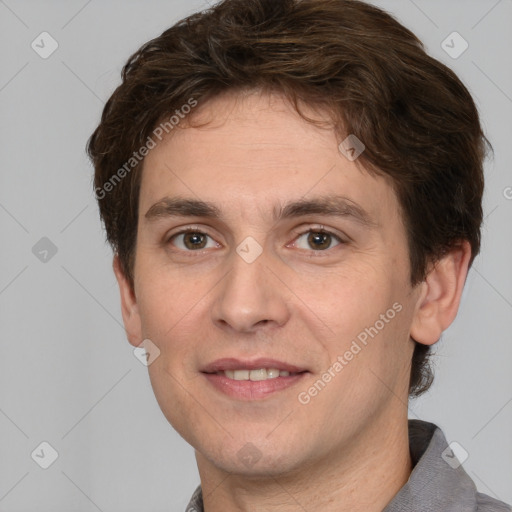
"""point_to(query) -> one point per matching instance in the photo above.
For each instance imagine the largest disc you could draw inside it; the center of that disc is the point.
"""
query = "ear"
(129, 308)
(440, 295)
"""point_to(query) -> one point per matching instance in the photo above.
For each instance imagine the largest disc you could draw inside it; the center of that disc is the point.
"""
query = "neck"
(363, 477)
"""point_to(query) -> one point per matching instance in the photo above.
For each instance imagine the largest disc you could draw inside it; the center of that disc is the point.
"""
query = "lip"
(230, 363)
(248, 390)
(252, 390)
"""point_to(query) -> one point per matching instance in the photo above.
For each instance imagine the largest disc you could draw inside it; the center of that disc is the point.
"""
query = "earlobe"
(440, 294)
(129, 307)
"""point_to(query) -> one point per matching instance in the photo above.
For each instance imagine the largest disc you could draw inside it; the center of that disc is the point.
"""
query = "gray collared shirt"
(438, 483)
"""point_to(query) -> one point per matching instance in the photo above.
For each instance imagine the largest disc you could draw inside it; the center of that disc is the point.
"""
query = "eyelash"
(316, 230)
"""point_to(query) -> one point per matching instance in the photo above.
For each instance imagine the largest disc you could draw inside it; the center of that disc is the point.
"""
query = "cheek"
(175, 315)
(347, 300)
(367, 320)
(166, 299)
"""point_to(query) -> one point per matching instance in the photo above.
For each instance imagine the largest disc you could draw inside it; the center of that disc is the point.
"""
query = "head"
(229, 125)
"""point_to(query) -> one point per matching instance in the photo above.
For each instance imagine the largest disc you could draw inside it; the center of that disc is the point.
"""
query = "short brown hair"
(417, 120)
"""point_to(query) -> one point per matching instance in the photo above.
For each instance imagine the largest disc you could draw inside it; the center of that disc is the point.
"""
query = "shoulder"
(487, 504)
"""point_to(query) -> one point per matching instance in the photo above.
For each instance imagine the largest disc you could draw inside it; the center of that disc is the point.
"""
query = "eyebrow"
(335, 206)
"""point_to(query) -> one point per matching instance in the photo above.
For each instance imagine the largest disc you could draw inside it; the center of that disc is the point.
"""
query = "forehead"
(253, 154)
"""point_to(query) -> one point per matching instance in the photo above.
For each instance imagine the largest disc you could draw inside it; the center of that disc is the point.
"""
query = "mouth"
(251, 380)
(256, 375)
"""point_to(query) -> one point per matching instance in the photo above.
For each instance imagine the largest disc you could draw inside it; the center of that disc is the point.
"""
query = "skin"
(347, 449)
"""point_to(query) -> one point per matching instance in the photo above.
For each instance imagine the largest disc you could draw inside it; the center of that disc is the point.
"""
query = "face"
(264, 254)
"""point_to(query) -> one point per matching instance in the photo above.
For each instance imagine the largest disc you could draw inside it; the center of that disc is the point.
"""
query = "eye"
(317, 239)
(192, 241)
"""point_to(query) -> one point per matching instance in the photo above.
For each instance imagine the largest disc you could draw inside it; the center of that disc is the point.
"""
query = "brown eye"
(192, 241)
(317, 240)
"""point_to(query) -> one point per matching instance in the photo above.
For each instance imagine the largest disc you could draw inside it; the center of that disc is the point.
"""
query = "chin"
(249, 467)
(252, 458)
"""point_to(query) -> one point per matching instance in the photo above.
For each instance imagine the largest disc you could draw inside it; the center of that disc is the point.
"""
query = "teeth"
(255, 375)
(258, 374)
(241, 375)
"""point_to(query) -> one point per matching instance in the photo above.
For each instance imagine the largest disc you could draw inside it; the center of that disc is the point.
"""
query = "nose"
(250, 296)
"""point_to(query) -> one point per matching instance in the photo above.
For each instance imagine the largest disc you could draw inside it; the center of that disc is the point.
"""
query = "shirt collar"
(196, 502)
(437, 482)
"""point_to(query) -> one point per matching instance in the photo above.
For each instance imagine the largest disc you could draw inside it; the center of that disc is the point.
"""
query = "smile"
(252, 380)
(255, 375)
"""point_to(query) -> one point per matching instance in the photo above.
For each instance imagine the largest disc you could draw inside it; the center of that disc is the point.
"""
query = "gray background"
(69, 377)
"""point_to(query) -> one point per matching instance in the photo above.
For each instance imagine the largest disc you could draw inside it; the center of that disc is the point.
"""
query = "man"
(293, 193)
